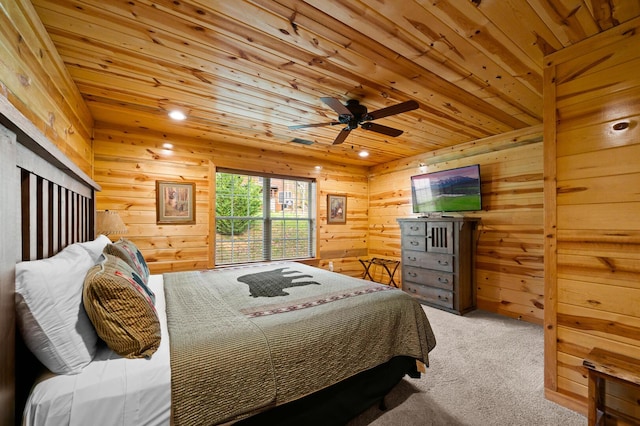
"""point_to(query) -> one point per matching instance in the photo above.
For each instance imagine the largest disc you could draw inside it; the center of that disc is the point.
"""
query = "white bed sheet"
(111, 390)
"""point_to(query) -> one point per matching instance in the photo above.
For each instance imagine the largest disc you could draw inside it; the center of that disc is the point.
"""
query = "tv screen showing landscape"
(451, 190)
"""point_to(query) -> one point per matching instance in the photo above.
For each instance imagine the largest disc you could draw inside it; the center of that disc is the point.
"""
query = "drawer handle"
(443, 263)
(412, 274)
(414, 228)
(445, 299)
(411, 258)
(414, 243)
(443, 280)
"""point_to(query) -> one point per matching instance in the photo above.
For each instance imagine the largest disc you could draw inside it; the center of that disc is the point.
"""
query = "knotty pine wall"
(509, 238)
(34, 79)
(509, 267)
(128, 163)
(592, 215)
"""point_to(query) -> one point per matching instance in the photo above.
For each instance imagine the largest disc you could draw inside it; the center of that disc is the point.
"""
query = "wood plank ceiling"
(245, 70)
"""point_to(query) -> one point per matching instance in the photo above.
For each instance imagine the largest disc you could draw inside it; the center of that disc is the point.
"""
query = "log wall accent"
(509, 261)
(592, 170)
(128, 162)
(34, 79)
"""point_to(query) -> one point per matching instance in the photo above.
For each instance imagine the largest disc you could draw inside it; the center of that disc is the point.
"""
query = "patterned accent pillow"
(127, 251)
(121, 309)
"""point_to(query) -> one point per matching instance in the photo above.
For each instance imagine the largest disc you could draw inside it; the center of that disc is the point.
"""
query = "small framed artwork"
(336, 208)
(175, 202)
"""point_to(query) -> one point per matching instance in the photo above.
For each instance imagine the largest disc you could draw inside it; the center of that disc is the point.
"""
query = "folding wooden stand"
(386, 264)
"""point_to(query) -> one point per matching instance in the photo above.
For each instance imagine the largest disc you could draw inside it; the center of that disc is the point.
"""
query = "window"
(263, 217)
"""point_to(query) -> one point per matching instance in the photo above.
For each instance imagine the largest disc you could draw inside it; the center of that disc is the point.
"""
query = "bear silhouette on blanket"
(273, 283)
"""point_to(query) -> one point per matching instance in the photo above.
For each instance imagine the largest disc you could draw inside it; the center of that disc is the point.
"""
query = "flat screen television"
(453, 190)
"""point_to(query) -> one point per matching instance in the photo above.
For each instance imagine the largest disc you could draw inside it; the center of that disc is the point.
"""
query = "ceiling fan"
(354, 114)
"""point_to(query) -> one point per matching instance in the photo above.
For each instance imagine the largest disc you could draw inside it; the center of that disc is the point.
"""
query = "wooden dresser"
(438, 262)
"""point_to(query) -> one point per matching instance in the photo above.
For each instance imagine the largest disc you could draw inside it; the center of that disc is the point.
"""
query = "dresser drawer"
(414, 228)
(440, 262)
(429, 277)
(431, 295)
(415, 242)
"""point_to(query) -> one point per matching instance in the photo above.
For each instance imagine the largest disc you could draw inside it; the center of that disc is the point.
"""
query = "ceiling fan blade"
(379, 128)
(342, 136)
(392, 110)
(337, 106)
(302, 126)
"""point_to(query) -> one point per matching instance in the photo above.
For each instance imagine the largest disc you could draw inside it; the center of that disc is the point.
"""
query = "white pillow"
(96, 247)
(50, 313)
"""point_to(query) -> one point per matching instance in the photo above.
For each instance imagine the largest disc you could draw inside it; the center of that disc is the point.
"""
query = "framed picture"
(175, 202)
(336, 208)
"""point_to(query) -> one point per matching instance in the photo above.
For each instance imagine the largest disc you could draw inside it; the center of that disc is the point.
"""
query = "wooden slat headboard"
(55, 209)
(46, 203)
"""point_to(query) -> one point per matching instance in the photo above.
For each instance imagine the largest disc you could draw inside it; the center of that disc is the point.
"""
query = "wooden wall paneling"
(50, 68)
(343, 244)
(596, 255)
(34, 79)
(597, 320)
(621, 269)
(129, 172)
(599, 217)
(605, 189)
(595, 137)
(510, 232)
(135, 142)
(572, 375)
(509, 238)
(128, 161)
(611, 161)
(509, 245)
(622, 83)
(550, 237)
(389, 199)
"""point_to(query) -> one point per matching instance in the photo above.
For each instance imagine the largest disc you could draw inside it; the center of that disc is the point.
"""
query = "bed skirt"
(337, 404)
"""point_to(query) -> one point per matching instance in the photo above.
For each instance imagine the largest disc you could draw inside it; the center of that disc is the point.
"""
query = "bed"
(292, 344)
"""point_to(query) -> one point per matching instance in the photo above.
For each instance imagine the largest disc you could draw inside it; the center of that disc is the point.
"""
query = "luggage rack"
(390, 266)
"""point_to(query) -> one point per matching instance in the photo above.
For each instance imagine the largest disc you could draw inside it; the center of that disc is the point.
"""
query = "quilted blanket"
(249, 338)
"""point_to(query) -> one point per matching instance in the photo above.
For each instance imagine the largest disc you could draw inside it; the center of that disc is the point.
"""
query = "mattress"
(115, 390)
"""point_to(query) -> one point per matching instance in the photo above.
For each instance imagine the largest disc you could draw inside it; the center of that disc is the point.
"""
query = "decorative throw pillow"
(127, 251)
(49, 310)
(120, 308)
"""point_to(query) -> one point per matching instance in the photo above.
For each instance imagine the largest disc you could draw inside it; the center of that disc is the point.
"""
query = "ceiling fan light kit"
(354, 114)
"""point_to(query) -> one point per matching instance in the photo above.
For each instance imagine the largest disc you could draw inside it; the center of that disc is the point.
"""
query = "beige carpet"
(486, 369)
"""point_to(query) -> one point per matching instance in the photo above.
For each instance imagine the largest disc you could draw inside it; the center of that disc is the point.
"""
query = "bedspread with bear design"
(244, 339)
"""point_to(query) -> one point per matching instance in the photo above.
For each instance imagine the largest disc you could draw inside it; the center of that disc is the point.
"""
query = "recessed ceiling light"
(167, 145)
(177, 115)
(318, 167)
(363, 154)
